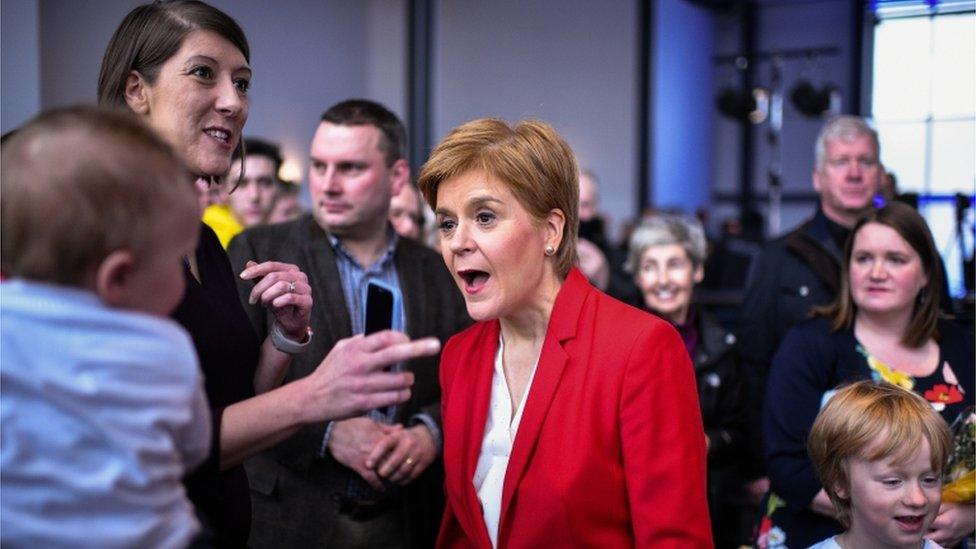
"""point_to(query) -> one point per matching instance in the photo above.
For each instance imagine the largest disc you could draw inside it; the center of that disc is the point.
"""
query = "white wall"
(386, 51)
(571, 63)
(306, 55)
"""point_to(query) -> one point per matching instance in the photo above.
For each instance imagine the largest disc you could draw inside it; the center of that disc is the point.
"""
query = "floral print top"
(941, 388)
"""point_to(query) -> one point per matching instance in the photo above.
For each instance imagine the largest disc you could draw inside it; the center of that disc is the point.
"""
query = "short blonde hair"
(79, 183)
(530, 158)
(860, 414)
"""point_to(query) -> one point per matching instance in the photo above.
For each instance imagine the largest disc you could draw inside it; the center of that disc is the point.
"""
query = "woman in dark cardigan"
(884, 325)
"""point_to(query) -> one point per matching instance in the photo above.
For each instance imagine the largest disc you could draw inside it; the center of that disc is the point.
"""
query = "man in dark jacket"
(372, 481)
(801, 269)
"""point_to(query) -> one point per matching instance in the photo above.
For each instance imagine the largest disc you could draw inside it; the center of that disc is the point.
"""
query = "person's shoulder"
(812, 335)
(815, 331)
(150, 341)
(429, 263)
(277, 231)
(950, 331)
(831, 543)
(467, 342)
(816, 325)
(620, 327)
(625, 314)
(715, 337)
(411, 250)
(768, 266)
(471, 334)
(274, 242)
(796, 232)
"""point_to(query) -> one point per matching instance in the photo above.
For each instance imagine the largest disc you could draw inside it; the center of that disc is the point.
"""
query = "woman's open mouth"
(474, 280)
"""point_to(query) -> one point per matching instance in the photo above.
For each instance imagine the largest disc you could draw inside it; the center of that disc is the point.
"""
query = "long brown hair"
(910, 226)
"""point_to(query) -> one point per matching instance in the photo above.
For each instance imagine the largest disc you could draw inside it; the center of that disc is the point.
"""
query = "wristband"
(288, 346)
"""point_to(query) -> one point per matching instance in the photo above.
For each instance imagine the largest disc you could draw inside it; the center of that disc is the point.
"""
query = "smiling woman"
(884, 325)
(557, 384)
(182, 67)
(666, 258)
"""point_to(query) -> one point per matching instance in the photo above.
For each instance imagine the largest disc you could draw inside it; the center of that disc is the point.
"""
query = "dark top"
(838, 232)
(720, 393)
(792, 275)
(228, 350)
(813, 360)
(722, 399)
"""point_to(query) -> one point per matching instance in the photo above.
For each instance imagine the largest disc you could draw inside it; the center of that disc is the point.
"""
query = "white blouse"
(496, 446)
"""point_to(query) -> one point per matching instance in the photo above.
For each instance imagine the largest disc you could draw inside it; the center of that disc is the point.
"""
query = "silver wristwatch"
(285, 345)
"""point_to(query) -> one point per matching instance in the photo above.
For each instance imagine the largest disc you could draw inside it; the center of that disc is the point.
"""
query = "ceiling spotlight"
(813, 102)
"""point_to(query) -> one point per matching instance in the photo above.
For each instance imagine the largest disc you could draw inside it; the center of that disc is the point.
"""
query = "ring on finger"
(291, 287)
(408, 461)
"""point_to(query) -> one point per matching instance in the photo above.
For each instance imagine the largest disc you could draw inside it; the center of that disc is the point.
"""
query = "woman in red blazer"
(570, 419)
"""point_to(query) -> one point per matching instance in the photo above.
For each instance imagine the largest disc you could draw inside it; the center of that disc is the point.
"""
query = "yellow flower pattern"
(894, 377)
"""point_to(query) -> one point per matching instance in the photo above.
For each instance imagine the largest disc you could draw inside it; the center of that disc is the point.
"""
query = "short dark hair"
(259, 147)
(363, 112)
(286, 188)
(912, 227)
(152, 33)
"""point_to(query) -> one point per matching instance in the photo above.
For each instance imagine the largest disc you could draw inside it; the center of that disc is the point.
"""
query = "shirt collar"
(391, 243)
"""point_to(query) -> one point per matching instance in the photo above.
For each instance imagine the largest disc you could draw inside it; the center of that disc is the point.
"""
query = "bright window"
(924, 104)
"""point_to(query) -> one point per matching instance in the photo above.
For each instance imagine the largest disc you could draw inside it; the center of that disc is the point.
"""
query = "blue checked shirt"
(355, 280)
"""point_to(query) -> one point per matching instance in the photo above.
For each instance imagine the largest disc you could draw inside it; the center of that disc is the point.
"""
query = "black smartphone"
(379, 308)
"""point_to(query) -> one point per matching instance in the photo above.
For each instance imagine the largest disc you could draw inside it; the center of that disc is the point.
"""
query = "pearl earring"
(550, 250)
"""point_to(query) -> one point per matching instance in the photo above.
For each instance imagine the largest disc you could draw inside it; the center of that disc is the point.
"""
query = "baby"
(879, 451)
(102, 405)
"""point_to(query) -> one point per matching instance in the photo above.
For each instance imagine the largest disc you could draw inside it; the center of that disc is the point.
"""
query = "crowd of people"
(172, 383)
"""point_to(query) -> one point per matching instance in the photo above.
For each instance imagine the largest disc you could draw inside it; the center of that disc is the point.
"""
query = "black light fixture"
(812, 101)
(736, 103)
(744, 105)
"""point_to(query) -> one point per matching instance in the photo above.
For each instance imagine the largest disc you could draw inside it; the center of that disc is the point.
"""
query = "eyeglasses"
(863, 162)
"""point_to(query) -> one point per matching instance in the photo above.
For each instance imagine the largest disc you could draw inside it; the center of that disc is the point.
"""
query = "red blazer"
(610, 451)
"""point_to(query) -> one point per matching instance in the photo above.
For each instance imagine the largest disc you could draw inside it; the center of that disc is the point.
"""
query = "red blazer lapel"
(553, 360)
(472, 384)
